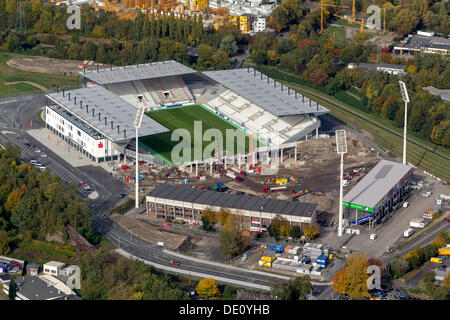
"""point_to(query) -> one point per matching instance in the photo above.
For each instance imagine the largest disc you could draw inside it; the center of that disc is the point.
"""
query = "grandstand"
(258, 121)
(245, 98)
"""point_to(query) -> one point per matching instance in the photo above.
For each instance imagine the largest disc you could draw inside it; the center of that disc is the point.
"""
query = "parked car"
(81, 182)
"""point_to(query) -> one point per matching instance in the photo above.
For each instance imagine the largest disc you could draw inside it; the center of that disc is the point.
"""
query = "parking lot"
(31, 152)
(391, 231)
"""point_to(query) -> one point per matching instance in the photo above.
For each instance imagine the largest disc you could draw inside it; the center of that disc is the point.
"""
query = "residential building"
(38, 288)
(53, 268)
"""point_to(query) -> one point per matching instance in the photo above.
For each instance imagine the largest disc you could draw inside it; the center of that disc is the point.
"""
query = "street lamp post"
(405, 98)
(341, 148)
(137, 124)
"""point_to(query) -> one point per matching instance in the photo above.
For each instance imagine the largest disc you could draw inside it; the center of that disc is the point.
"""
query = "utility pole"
(20, 24)
(137, 125)
(341, 148)
(405, 98)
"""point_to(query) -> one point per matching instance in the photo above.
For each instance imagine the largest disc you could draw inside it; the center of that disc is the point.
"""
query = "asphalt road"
(17, 114)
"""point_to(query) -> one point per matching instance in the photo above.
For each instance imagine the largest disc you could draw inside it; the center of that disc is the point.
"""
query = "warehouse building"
(423, 42)
(188, 204)
(379, 193)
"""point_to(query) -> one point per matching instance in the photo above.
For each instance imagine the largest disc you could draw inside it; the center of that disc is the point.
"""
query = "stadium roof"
(377, 183)
(259, 89)
(137, 72)
(227, 200)
(102, 104)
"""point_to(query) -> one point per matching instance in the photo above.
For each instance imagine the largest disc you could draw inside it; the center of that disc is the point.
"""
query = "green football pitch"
(184, 118)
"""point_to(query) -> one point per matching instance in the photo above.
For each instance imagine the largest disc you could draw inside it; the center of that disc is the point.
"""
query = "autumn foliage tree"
(207, 288)
(352, 279)
(312, 231)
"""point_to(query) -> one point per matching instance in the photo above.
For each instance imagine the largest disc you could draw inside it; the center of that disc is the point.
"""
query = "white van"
(373, 236)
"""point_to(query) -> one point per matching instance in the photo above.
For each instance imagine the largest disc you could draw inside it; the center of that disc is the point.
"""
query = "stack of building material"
(313, 250)
(292, 250)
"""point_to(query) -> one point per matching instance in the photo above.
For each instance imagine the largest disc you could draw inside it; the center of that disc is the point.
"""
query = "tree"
(13, 43)
(228, 45)
(312, 232)
(207, 288)
(318, 77)
(12, 289)
(296, 289)
(439, 132)
(221, 60)
(413, 259)
(232, 243)
(356, 269)
(4, 243)
(339, 280)
(398, 267)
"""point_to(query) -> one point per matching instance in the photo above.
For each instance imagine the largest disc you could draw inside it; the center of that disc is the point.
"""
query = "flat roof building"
(188, 204)
(380, 191)
(423, 42)
(35, 288)
(136, 72)
(384, 67)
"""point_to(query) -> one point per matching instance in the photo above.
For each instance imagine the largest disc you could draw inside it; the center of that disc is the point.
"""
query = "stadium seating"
(257, 120)
(178, 92)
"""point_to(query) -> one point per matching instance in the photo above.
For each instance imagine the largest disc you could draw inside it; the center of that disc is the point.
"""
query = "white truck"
(408, 233)
(418, 223)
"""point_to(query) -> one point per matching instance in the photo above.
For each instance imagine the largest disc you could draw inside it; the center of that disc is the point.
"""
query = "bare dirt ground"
(49, 65)
(202, 246)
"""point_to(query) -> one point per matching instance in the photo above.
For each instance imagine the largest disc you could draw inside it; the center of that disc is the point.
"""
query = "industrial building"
(423, 42)
(187, 204)
(394, 69)
(379, 193)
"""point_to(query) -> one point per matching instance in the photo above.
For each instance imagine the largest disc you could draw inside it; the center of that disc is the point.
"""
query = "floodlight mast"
(405, 98)
(137, 125)
(341, 148)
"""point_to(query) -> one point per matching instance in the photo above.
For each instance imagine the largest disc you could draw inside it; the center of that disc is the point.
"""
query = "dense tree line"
(313, 56)
(107, 39)
(107, 277)
(34, 204)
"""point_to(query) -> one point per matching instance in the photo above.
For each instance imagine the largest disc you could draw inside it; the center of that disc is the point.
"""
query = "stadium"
(97, 119)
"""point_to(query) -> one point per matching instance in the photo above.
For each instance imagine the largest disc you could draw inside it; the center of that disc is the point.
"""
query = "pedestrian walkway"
(63, 149)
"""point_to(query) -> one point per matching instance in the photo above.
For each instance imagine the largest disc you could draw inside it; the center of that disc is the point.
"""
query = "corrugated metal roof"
(377, 183)
(226, 200)
(137, 72)
(258, 89)
(103, 104)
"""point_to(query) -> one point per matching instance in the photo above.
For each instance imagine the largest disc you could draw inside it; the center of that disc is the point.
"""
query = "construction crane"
(323, 5)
